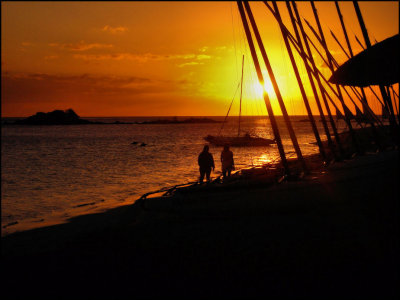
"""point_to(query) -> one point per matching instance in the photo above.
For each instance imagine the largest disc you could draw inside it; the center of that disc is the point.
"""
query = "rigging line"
(223, 123)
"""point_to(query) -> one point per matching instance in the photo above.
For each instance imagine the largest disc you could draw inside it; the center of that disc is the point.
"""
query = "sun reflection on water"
(262, 159)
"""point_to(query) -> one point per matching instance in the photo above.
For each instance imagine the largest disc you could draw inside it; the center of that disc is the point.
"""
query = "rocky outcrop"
(56, 117)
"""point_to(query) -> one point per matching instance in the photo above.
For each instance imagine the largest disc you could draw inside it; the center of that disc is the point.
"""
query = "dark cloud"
(20, 87)
(34, 89)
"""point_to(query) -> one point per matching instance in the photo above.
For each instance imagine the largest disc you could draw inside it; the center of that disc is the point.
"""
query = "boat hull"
(239, 141)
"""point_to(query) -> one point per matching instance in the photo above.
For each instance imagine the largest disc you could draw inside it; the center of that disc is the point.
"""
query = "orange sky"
(155, 58)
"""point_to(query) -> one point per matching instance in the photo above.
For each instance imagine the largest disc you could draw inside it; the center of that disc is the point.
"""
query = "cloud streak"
(114, 30)
(192, 63)
(80, 46)
(142, 57)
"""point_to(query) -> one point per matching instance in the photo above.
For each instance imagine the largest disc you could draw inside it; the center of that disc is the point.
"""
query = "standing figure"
(227, 161)
(206, 162)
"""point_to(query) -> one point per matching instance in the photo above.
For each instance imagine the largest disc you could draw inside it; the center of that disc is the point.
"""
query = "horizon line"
(172, 116)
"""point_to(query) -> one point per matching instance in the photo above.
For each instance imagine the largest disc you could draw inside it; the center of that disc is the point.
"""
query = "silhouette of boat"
(238, 141)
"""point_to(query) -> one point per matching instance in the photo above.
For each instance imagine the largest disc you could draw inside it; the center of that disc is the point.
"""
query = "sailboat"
(245, 140)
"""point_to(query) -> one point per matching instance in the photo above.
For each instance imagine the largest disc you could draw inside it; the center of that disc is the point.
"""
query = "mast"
(367, 110)
(241, 89)
(308, 69)
(298, 78)
(344, 29)
(300, 51)
(385, 96)
(364, 102)
(358, 41)
(368, 43)
(265, 94)
(331, 67)
(356, 93)
(276, 88)
(319, 83)
(340, 45)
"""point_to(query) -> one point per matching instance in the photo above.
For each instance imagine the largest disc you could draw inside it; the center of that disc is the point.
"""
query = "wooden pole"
(265, 94)
(385, 97)
(362, 24)
(305, 56)
(344, 29)
(297, 74)
(331, 60)
(337, 65)
(365, 102)
(393, 124)
(361, 96)
(354, 139)
(358, 41)
(309, 72)
(356, 93)
(367, 110)
(275, 86)
(320, 84)
(340, 45)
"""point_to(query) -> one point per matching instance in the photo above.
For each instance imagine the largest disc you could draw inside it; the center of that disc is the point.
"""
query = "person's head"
(226, 147)
(206, 148)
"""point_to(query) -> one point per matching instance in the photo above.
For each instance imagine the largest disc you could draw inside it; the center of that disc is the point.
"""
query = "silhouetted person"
(227, 161)
(206, 162)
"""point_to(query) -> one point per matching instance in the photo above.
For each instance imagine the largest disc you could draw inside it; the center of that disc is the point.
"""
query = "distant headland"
(55, 117)
(70, 117)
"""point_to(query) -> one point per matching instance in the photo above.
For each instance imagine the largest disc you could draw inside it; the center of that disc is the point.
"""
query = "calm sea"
(52, 173)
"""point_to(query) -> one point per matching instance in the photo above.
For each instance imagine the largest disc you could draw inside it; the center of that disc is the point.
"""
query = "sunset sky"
(156, 58)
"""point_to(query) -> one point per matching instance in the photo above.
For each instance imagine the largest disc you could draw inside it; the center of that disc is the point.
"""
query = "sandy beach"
(332, 234)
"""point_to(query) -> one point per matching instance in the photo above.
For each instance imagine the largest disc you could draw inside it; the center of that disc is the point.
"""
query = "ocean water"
(52, 173)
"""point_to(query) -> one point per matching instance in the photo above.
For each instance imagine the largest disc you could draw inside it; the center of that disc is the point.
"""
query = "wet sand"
(332, 234)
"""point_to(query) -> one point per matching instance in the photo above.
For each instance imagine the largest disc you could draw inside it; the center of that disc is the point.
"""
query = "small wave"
(10, 224)
(87, 204)
(39, 221)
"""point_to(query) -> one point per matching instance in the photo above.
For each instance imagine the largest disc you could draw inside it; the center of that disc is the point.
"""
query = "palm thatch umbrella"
(377, 65)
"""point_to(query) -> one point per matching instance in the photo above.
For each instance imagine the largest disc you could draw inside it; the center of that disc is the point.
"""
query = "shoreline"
(332, 232)
(63, 217)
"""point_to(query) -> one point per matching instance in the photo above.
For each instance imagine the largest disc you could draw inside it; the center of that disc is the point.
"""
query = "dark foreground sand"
(333, 235)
